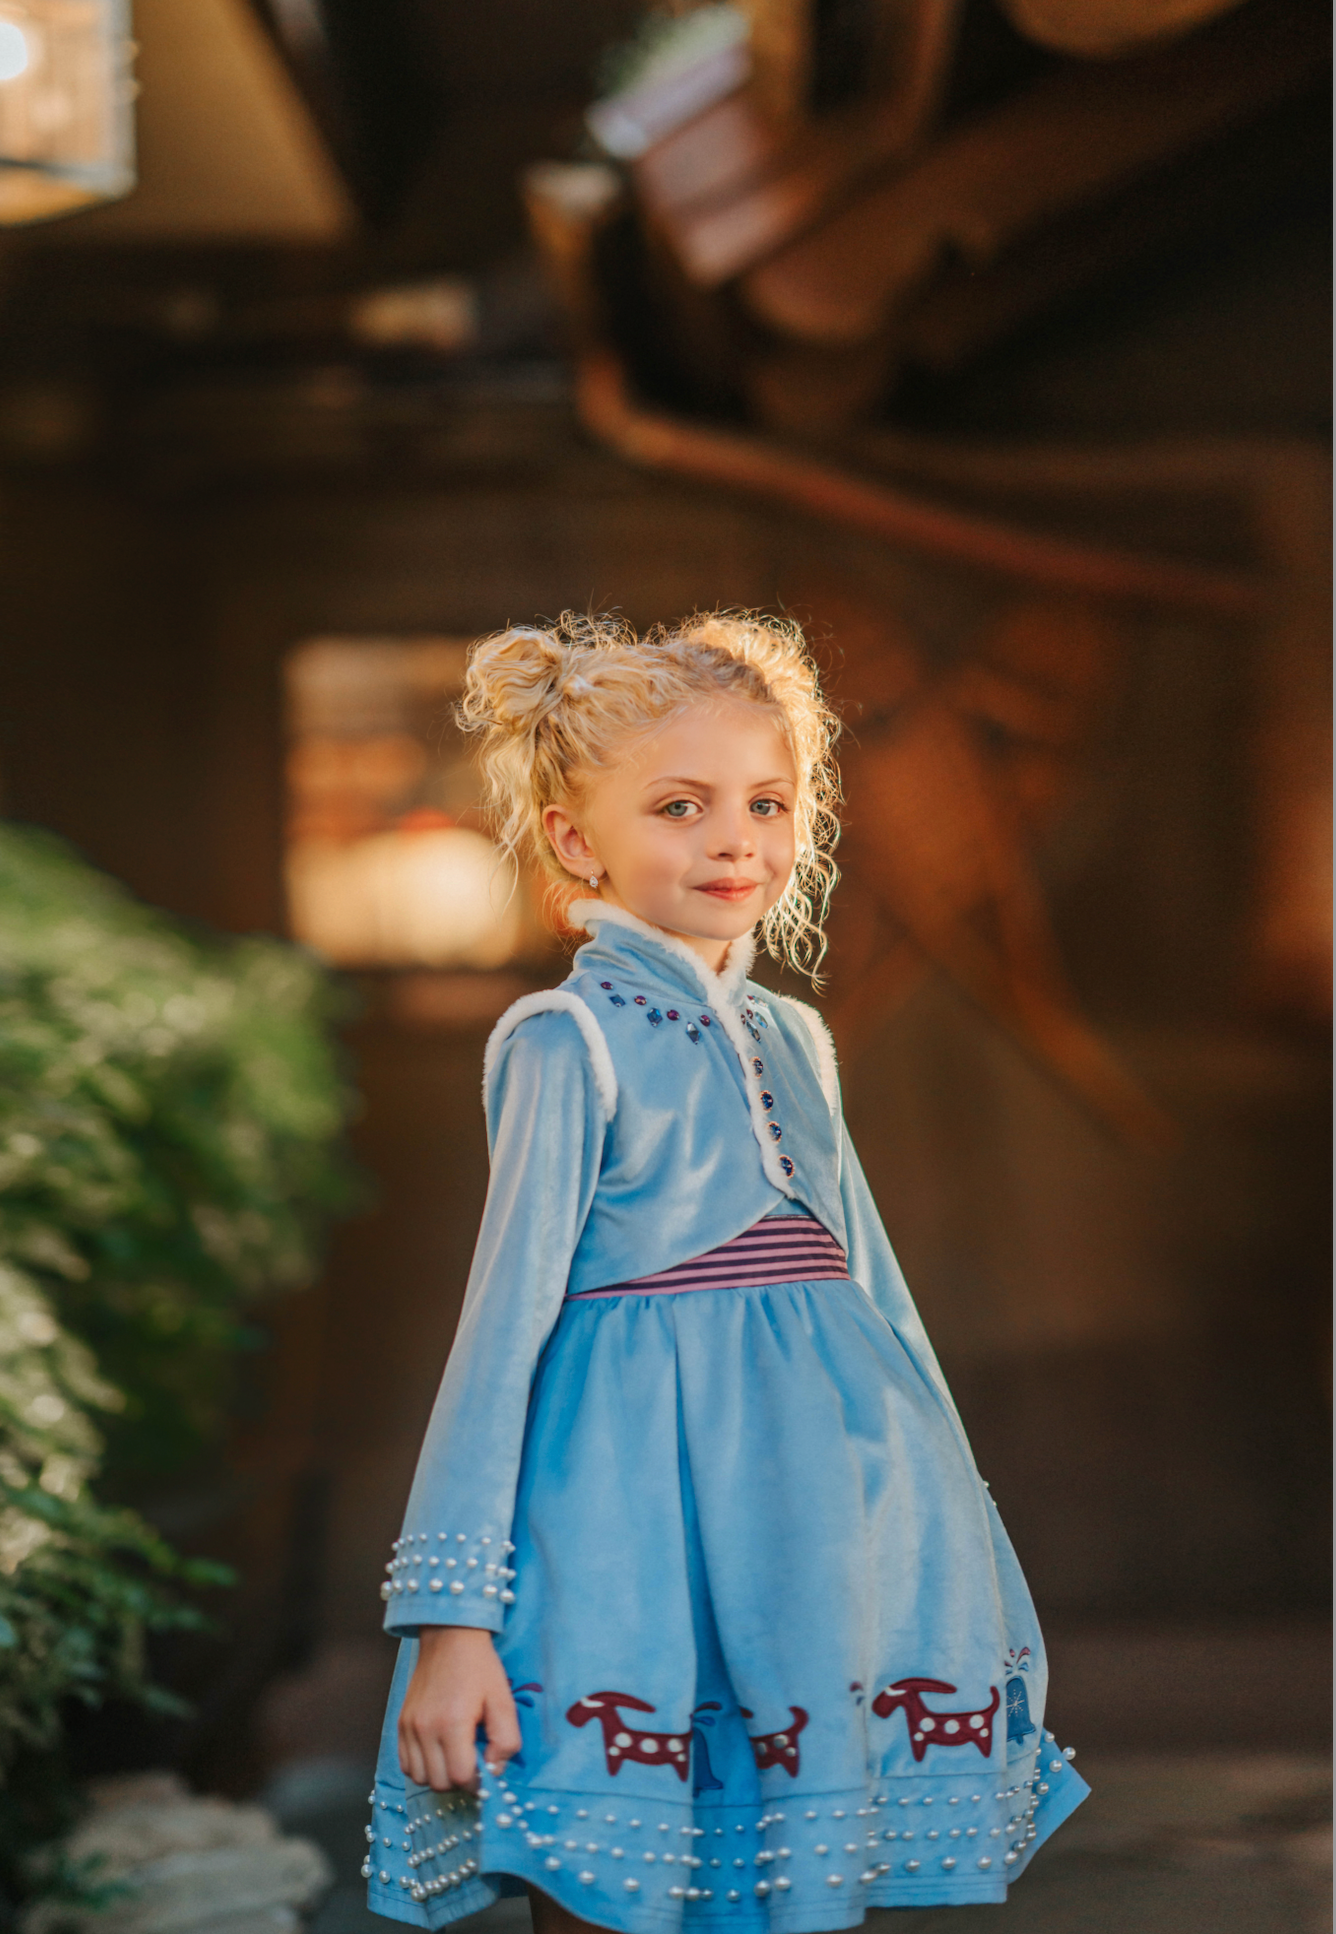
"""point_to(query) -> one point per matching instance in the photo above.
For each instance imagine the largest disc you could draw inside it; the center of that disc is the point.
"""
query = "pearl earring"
(593, 881)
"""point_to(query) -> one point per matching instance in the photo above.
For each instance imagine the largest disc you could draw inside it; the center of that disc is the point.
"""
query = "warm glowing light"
(386, 865)
(435, 897)
(13, 50)
(66, 106)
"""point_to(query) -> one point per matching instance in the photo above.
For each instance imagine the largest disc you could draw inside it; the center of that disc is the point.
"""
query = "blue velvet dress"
(774, 1659)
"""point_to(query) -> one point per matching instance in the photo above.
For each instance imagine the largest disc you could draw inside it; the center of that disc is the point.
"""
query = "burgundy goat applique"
(622, 1741)
(778, 1749)
(937, 1728)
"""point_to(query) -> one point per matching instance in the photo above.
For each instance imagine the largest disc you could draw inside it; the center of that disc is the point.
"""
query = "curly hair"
(550, 703)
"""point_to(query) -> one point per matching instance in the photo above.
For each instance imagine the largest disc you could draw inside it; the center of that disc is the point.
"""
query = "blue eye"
(768, 808)
(677, 808)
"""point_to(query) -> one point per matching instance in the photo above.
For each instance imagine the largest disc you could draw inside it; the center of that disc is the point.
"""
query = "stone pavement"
(1202, 1843)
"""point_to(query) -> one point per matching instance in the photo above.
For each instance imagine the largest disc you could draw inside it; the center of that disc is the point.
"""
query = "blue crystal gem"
(654, 1017)
(767, 1099)
(617, 1000)
(786, 1164)
(775, 1130)
(693, 1032)
(758, 1067)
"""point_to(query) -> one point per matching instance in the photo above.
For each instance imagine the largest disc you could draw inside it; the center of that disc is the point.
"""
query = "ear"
(568, 842)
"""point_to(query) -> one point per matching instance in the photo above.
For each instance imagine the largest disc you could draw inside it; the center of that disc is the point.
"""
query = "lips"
(731, 890)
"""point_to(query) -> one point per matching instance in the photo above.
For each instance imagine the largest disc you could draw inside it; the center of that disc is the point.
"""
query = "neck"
(722, 965)
(713, 952)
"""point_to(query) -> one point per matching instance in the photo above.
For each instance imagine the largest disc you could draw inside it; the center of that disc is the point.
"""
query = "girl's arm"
(450, 1581)
(545, 1126)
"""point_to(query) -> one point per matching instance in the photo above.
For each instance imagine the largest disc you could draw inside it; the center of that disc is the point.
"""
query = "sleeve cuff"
(448, 1578)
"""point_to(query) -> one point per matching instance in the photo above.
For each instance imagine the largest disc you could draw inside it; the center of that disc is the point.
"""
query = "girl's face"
(691, 826)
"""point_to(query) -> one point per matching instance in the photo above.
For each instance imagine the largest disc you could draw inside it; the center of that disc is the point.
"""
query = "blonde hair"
(550, 704)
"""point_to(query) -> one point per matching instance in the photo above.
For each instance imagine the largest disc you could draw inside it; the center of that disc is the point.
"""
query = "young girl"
(696, 1558)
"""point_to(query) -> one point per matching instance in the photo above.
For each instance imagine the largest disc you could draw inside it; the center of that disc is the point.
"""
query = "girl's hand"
(457, 1684)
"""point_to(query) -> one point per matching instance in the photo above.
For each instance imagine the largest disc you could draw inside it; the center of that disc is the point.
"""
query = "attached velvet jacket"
(628, 1133)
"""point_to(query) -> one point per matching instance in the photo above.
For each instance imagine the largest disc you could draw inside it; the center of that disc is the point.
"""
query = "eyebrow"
(702, 785)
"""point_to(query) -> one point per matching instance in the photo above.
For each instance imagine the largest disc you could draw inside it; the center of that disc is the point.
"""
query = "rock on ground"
(185, 1862)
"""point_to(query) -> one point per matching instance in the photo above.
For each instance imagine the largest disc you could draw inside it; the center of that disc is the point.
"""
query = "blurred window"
(388, 863)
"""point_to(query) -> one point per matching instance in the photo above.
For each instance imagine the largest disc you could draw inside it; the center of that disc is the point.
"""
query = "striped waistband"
(778, 1249)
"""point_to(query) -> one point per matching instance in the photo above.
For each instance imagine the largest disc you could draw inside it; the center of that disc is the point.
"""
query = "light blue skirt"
(774, 1659)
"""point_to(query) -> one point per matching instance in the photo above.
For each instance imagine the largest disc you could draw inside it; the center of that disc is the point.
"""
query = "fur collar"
(723, 989)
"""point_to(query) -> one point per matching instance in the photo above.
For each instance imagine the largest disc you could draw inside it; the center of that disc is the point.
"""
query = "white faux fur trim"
(554, 1001)
(724, 992)
(718, 988)
(730, 1019)
(823, 1042)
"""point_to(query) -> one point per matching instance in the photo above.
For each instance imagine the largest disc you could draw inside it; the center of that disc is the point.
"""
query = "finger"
(410, 1758)
(461, 1754)
(437, 1764)
(503, 1730)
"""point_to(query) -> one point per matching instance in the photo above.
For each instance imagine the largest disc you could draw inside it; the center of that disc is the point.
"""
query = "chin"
(715, 921)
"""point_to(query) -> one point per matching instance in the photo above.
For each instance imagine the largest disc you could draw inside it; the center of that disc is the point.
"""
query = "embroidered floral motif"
(928, 1728)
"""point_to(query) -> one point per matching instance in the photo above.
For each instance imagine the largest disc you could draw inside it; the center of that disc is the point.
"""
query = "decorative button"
(786, 1164)
(775, 1130)
(767, 1099)
(758, 1066)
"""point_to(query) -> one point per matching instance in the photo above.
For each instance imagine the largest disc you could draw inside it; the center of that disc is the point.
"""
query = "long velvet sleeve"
(873, 1265)
(546, 1126)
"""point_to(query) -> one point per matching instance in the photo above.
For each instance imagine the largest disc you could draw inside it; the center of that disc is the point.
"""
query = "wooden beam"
(1074, 139)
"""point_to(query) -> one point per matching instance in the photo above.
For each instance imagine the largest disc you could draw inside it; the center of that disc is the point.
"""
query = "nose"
(734, 834)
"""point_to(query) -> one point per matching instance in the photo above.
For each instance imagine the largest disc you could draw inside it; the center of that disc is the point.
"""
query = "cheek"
(779, 841)
(654, 848)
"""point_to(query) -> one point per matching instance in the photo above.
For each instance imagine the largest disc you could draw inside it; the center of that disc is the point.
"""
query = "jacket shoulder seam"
(556, 1001)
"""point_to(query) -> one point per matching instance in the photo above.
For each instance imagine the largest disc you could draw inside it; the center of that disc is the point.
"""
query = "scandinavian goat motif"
(937, 1728)
(778, 1749)
(622, 1741)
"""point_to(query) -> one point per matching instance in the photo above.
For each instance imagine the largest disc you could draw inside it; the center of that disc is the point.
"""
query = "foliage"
(170, 1122)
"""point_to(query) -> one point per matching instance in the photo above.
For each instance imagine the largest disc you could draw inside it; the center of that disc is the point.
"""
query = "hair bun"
(515, 679)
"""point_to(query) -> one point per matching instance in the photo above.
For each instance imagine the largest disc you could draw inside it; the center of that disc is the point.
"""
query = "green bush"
(171, 1114)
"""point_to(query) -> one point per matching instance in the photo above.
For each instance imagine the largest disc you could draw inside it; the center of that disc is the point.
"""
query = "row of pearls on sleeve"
(449, 1562)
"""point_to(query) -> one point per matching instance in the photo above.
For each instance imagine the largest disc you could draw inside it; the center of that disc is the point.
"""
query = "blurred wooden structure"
(798, 252)
(807, 258)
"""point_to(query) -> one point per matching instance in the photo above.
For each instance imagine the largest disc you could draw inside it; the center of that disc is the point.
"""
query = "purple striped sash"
(778, 1249)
